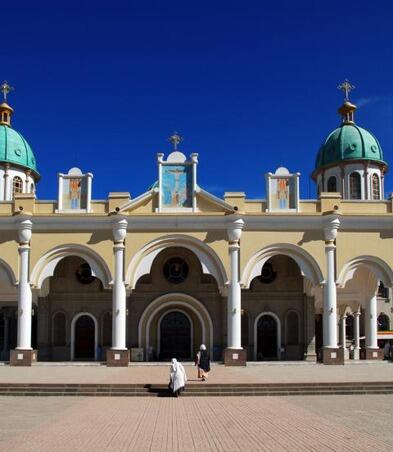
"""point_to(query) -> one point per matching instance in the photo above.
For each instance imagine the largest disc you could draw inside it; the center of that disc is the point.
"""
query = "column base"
(235, 357)
(371, 354)
(23, 358)
(117, 358)
(311, 357)
(332, 356)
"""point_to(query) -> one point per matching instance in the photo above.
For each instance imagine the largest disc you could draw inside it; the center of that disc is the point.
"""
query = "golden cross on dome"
(175, 139)
(346, 87)
(5, 88)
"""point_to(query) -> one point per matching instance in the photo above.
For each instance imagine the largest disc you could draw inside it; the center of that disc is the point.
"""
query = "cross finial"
(346, 87)
(5, 88)
(175, 139)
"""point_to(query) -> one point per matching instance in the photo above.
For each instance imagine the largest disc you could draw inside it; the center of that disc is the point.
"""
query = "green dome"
(14, 149)
(348, 142)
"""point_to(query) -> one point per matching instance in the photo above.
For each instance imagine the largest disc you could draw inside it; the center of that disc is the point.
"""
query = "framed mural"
(282, 191)
(74, 191)
(176, 186)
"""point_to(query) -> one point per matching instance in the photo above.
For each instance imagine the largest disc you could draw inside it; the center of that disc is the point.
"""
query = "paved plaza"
(293, 423)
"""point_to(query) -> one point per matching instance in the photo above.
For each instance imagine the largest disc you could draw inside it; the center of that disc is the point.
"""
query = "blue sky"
(251, 85)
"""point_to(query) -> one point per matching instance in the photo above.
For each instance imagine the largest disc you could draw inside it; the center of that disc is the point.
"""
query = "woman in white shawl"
(178, 377)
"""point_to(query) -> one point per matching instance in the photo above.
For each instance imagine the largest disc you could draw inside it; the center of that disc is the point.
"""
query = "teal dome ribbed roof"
(14, 149)
(348, 142)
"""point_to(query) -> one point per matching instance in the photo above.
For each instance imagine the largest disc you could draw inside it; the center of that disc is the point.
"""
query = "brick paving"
(192, 424)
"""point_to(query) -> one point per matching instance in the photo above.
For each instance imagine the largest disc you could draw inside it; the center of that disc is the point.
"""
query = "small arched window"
(292, 325)
(332, 184)
(376, 187)
(32, 189)
(59, 329)
(383, 322)
(355, 189)
(17, 185)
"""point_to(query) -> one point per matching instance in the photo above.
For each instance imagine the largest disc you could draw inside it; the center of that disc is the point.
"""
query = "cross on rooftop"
(175, 139)
(346, 87)
(5, 88)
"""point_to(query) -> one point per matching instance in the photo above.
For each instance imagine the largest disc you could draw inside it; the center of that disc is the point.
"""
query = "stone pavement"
(261, 373)
(195, 424)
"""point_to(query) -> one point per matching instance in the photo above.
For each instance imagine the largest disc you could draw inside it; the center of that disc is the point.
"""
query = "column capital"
(24, 228)
(234, 229)
(331, 224)
(119, 230)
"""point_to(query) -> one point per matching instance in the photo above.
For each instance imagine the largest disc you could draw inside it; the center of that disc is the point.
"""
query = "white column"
(119, 229)
(7, 191)
(60, 178)
(89, 189)
(343, 331)
(194, 159)
(356, 334)
(330, 291)
(371, 323)
(234, 231)
(24, 290)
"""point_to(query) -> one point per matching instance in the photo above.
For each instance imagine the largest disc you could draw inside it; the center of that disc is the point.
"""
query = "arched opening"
(175, 332)
(267, 337)
(245, 329)
(383, 322)
(84, 337)
(355, 189)
(332, 184)
(376, 189)
(349, 328)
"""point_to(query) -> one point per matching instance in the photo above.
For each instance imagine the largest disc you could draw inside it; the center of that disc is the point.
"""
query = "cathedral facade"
(153, 277)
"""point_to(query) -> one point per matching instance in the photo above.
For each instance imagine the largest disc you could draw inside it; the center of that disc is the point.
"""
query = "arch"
(332, 184)
(7, 274)
(377, 266)
(159, 329)
(73, 323)
(47, 263)
(288, 313)
(276, 318)
(174, 300)
(307, 264)
(142, 262)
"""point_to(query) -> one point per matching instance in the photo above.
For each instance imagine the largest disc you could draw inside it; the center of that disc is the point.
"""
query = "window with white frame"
(17, 185)
(376, 187)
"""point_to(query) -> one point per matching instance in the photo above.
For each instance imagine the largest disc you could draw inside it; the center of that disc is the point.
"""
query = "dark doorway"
(84, 338)
(266, 338)
(175, 336)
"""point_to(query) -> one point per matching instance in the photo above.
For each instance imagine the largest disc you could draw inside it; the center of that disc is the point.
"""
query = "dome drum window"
(355, 189)
(376, 191)
(17, 185)
(332, 184)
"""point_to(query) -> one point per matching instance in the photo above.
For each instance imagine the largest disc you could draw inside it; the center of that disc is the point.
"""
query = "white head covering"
(174, 365)
(202, 347)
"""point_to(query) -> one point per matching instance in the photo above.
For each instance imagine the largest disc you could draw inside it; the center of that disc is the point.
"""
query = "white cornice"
(201, 222)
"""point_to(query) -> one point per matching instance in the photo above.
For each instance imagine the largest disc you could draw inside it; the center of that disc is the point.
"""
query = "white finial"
(346, 87)
(5, 88)
(175, 139)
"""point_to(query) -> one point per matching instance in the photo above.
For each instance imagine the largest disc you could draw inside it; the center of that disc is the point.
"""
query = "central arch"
(141, 263)
(175, 335)
(167, 303)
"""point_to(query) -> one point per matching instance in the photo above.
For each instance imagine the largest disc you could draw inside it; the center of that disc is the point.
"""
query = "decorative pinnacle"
(346, 87)
(175, 139)
(5, 88)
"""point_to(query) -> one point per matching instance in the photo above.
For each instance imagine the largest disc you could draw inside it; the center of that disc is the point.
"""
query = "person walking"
(178, 378)
(202, 361)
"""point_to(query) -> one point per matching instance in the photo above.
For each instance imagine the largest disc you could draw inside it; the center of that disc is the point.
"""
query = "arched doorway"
(84, 337)
(175, 333)
(267, 337)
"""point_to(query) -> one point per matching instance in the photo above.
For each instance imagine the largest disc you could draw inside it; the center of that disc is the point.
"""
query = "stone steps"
(194, 390)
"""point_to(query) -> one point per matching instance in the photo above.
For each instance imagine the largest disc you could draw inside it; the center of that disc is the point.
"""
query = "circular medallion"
(176, 270)
(84, 274)
(18, 152)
